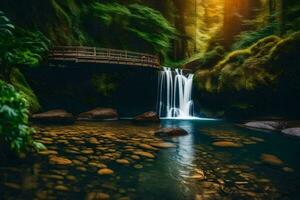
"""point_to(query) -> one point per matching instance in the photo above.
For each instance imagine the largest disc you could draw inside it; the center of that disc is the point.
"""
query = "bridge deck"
(102, 55)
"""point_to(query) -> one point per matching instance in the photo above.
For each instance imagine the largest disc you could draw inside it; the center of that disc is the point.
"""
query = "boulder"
(171, 132)
(292, 131)
(99, 114)
(147, 117)
(53, 116)
(266, 125)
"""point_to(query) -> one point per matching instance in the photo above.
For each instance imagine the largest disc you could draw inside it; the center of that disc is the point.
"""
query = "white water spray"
(175, 94)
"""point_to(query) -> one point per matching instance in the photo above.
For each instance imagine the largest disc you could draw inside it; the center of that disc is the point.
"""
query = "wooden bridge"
(101, 55)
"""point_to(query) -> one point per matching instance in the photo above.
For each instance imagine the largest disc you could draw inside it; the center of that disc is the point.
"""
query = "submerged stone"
(171, 132)
(48, 152)
(59, 160)
(105, 171)
(227, 144)
(123, 161)
(271, 159)
(61, 188)
(145, 154)
(163, 145)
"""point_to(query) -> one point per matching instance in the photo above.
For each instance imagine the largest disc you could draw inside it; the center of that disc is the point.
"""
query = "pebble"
(123, 161)
(145, 154)
(105, 171)
(59, 160)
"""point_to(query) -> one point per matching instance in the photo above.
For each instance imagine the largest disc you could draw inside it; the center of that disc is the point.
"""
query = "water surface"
(193, 169)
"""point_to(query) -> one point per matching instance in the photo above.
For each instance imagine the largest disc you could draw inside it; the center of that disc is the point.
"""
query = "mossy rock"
(18, 80)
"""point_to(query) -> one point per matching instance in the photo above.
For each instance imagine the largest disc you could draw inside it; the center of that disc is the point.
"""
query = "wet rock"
(292, 131)
(98, 165)
(12, 185)
(97, 196)
(147, 117)
(71, 178)
(145, 154)
(48, 152)
(266, 125)
(227, 144)
(83, 169)
(135, 157)
(87, 151)
(138, 166)
(171, 132)
(93, 140)
(123, 161)
(271, 159)
(61, 188)
(163, 145)
(59, 160)
(53, 116)
(287, 169)
(147, 146)
(99, 114)
(53, 176)
(105, 171)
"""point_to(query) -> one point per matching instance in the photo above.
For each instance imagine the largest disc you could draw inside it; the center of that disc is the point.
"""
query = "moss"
(244, 69)
(18, 80)
(104, 84)
(204, 60)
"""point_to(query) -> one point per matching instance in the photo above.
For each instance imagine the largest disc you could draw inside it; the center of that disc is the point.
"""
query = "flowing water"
(188, 167)
(175, 94)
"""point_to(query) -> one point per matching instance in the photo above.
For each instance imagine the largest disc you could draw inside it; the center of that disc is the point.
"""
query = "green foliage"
(23, 48)
(135, 23)
(19, 82)
(247, 38)
(6, 26)
(245, 69)
(104, 84)
(14, 127)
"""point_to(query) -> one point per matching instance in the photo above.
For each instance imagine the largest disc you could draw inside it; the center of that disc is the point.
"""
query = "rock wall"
(81, 87)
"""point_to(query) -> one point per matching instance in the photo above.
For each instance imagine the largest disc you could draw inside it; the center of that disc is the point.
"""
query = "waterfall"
(175, 94)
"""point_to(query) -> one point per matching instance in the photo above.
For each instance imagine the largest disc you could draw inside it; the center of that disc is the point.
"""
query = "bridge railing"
(103, 55)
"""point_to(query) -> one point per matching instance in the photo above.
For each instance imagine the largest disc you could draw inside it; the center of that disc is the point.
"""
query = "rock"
(292, 131)
(99, 114)
(271, 159)
(226, 144)
(145, 154)
(12, 185)
(163, 145)
(172, 132)
(61, 188)
(53, 116)
(59, 160)
(105, 171)
(135, 157)
(48, 152)
(147, 117)
(93, 140)
(138, 166)
(123, 161)
(287, 169)
(266, 125)
(147, 146)
(97, 196)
